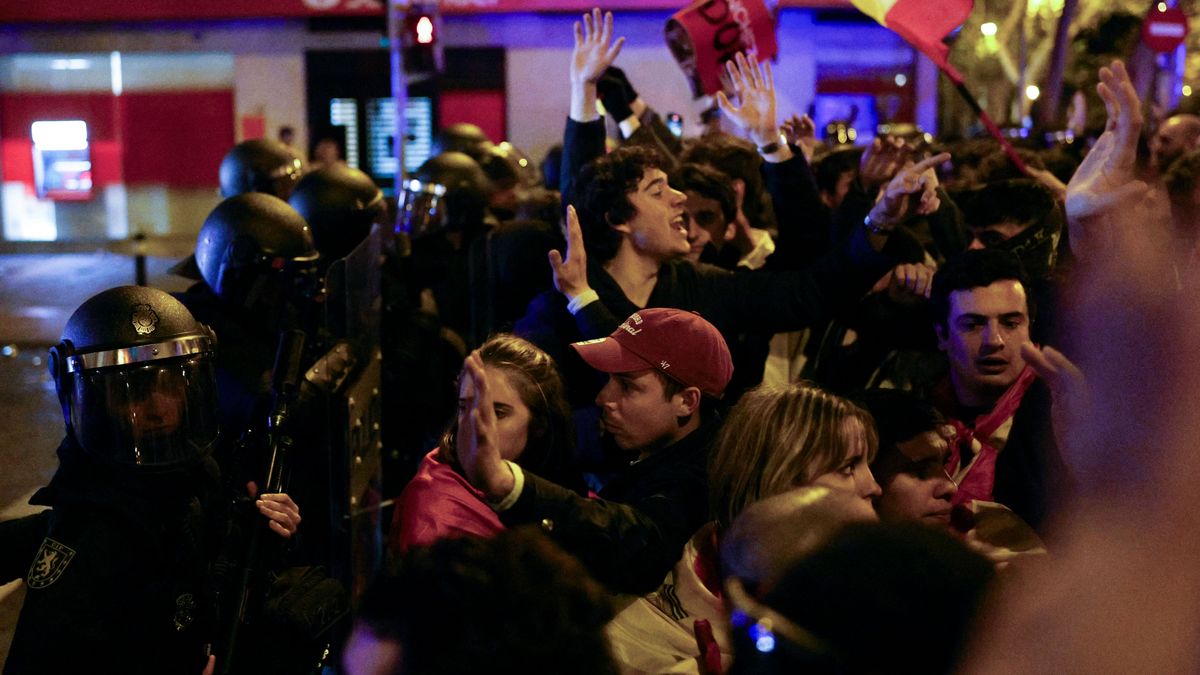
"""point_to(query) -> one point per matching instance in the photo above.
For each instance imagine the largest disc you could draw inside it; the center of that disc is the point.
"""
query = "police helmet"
(260, 165)
(340, 203)
(254, 250)
(134, 376)
(448, 192)
(463, 137)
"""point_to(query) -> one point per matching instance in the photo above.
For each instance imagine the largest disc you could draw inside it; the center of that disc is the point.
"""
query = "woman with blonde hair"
(776, 439)
(782, 437)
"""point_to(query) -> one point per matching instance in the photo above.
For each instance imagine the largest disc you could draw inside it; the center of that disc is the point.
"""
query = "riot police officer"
(340, 204)
(258, 263)
(463, 137)
(260, 165)
(117, 572)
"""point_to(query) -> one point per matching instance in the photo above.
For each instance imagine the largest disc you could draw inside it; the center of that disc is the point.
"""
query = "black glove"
(616, 94)
(619, 74)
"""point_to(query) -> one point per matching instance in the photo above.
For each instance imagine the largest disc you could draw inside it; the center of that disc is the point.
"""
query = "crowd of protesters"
(821, 395)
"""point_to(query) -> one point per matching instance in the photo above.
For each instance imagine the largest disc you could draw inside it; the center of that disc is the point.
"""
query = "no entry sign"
(1165, 30)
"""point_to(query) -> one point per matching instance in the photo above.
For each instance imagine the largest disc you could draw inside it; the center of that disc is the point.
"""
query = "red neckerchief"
(980, 479)
(706, 566)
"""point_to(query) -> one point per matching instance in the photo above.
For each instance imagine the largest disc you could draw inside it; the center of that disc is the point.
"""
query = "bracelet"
(874, 227)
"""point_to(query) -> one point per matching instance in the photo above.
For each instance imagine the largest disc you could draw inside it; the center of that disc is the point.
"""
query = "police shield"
(348, 372)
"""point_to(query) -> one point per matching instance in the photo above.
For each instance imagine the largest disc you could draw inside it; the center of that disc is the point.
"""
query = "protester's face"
(368, 654)
(705, 222)
(657, 229)
(512, 415)
(921, 489)
(853, 474)
(983, 335)
(636, 413)
(1172, 140)
(840, 189)
(995, 234)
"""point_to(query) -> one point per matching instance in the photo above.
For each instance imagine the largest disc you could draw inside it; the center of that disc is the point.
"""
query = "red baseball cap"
(678, 343)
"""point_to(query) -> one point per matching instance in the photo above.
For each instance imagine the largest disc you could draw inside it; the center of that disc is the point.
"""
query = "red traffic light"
(424, 30)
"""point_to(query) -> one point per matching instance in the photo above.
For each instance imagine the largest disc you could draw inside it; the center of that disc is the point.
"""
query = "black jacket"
(115, 573)
(760, 301)
(631, 536)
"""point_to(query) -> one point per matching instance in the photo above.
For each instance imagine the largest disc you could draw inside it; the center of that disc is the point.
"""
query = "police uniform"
(116, 570)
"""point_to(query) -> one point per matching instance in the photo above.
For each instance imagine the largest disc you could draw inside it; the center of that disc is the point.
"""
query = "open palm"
(595, 49)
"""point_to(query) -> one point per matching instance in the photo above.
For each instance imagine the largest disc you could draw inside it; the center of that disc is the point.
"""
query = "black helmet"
(340, 204)
(463, 137)
(449, 191)
(254, 250)
(260, 165)
(135, 379)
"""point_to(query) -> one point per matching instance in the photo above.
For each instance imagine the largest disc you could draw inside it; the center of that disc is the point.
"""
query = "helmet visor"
(154, 414)
(422, 209)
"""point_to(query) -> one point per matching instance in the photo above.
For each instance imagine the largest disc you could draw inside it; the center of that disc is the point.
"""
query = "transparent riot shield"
(347, 372)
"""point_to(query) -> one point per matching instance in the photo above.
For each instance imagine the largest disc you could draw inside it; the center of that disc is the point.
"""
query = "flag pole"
(988, 123)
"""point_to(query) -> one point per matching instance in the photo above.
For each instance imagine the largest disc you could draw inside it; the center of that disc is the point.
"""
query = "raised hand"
(913, 191)
(882, 160)
(1104, 187)
(570, 273)
(1070, 399)
(477, 451)
(754, 86)
(595, 49)
(800, 131)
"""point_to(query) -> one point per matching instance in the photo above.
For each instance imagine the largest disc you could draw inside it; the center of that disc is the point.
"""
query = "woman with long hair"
(532, 429)
(776, 439)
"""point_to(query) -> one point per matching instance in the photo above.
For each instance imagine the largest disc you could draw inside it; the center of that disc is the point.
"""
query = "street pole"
(397, 9)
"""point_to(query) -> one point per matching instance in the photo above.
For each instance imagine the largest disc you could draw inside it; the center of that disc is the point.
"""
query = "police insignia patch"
(185, 611)
(144, 319)
(49, 563)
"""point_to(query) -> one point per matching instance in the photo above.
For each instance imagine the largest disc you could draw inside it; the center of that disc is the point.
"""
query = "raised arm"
(1101, 193)
(754, 86)
(594, 52)
(583, 139)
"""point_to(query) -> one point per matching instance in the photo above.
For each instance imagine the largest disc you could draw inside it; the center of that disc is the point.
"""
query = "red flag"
(923, 24)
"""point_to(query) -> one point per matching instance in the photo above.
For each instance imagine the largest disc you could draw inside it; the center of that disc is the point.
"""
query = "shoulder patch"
(49, 563)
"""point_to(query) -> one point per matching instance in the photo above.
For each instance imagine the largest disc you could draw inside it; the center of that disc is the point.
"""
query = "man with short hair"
(1005, 449)
(910, 464)
(711, 211)
(1177, 135)
(663, 364)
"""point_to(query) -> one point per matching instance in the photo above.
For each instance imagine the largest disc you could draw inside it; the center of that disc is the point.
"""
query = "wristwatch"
(769, 148)
(772, 147)
(874, 228)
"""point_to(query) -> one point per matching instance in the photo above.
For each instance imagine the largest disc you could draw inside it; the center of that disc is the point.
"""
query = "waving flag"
(922, 23)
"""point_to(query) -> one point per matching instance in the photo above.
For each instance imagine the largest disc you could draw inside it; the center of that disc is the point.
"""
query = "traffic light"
(421, 39)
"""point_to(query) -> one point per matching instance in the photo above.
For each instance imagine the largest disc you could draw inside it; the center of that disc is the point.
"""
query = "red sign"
(707, 33)
(1163, 31)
